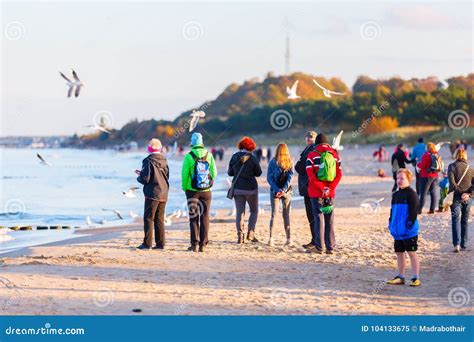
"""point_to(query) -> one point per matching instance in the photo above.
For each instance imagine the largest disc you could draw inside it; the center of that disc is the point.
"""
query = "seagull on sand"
(195, 116)
(327, 92)
(89, 221)
(42, 160)
(336, 142)
(115, 211)
(98, 128)
(73, 84)
(292, 92)
(130, 193)
(440, 144)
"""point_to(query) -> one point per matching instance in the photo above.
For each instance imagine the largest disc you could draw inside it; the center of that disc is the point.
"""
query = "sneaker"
(329, 251)
(396, 281)
(271, 242)
(457, 249)
(314, 249)
(202, 248)
(194, 248)
(415, 282)
(463, 248)
(158, 247)
(308, 245)
(143, 246)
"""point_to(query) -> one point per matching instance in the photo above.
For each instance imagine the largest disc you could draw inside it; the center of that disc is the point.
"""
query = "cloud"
(420, 17)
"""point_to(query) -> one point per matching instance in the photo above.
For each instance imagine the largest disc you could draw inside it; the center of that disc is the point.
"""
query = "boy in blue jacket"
(403, 226)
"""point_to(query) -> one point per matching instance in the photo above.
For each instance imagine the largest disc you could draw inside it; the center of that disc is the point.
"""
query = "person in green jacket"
(197, 177)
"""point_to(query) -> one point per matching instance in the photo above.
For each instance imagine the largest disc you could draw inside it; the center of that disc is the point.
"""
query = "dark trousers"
(429, 185)
(395, 185)
(460, 221)
(199, 204)
(309, 215)
(154, 222)
(240, 201)
(323, 233)
(418, 182)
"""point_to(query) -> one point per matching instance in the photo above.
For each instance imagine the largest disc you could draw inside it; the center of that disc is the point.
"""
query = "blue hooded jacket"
(403, 223)
(418, 151)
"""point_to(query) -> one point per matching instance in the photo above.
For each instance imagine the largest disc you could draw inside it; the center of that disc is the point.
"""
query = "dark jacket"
(455, 172)
(251, 169)
(300, 168)
(401, 159)
(403, 223)
(155, 176)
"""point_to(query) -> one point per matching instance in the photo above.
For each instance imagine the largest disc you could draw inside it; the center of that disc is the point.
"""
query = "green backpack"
(327, 167)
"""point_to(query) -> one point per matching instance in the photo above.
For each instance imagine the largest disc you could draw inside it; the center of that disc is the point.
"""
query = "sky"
(156, 59)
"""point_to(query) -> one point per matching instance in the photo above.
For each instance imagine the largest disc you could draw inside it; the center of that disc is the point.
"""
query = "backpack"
(327, 167)
(437, 164)
(201, 179)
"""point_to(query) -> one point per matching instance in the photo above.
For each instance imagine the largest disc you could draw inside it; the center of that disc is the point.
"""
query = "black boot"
(251, 236)
(240, 238)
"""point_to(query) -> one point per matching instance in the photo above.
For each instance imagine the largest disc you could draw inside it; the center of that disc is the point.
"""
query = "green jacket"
(188, 167)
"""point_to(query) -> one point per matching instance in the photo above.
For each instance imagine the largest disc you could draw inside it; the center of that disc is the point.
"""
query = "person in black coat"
(154, 176)
(399, 161)
(244, 167)
(300, 168)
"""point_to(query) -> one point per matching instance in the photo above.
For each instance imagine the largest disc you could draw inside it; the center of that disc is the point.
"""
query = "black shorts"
(408, 245)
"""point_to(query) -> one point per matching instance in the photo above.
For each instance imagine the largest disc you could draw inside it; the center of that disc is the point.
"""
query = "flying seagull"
(98, 128)
(73, 84)
(336, 142)
(195, 116)
(440, 144)
(115, 211)
(42, 160)
(133, 215)
(327, 92)
(130, 193)
(292, 92)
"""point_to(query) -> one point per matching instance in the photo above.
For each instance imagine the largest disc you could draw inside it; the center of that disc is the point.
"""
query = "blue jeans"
(429, 185)
(322, 233)
(459, 221)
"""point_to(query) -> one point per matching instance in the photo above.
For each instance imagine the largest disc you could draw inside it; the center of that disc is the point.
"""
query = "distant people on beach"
(323, 168)
(197, 177)
(403, 226)
(399, 161)
(258, 154)
(430, 166)
(416, 154)
(461, 180)
(381, 154)
(279, 176)
(244, 168)
(300, 168)
(269, 154)
(154, 176)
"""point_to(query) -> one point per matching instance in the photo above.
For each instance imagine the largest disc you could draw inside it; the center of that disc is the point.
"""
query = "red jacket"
(424, 166)
(315, 186)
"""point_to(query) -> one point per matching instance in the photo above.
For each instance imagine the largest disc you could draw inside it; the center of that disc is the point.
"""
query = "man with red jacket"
(322, 194)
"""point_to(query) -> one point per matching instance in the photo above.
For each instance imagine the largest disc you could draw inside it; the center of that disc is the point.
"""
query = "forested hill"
(247, 108)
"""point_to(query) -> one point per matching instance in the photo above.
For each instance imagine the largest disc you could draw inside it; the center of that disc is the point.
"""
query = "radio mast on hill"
(286, 27)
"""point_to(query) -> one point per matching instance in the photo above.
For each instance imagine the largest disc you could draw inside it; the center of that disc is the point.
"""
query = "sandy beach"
(101, 272)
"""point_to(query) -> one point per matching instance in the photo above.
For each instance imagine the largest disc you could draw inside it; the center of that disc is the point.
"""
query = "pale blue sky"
(135, 62)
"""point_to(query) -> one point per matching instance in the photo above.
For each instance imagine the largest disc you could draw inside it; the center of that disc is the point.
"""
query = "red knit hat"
(246, 143)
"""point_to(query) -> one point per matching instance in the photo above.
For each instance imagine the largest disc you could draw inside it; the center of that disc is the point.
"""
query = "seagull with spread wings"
(77, 83)
(292, 91)
(327, 92)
